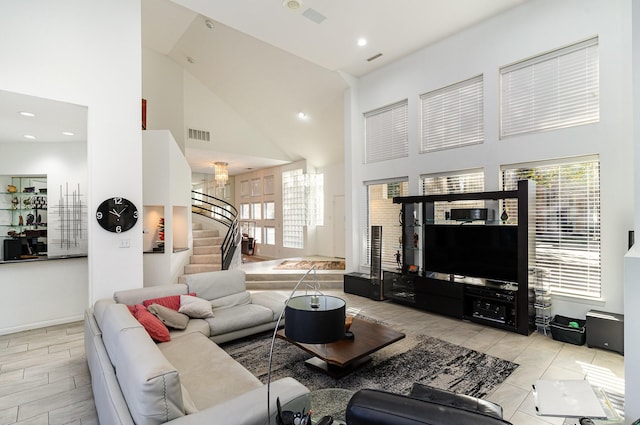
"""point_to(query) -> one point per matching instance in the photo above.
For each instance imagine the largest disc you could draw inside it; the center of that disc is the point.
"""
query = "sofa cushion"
(139, 295)
(239, 317)
(272, 300)
(114, 320)
(210, 375)
(194, 325)
(195, 307)
(213, 285)
(169, 317)
(150, 384)
(154, 327)
(171, 301)
(232, 300)
(100, 306)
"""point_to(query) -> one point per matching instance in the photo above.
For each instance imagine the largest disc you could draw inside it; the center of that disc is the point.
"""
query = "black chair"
(424, 405)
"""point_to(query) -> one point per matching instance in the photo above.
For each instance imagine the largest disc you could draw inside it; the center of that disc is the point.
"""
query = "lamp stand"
(275, 332)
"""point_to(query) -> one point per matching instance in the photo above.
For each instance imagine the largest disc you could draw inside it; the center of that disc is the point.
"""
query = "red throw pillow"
(155, 328)
(171, 301)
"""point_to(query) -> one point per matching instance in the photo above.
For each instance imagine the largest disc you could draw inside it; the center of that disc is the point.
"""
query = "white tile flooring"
(44, 378)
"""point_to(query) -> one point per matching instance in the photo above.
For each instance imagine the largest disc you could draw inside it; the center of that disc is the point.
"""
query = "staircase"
(206, 251)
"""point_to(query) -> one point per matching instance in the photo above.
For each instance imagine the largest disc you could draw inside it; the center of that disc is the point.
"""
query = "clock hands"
(118, 213)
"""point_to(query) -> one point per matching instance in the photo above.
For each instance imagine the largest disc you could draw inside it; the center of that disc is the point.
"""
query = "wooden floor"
(44, 377)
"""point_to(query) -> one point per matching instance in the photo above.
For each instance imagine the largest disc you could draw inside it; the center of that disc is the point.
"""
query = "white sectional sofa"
(189, 379)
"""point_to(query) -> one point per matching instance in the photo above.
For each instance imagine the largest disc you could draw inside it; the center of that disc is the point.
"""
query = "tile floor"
(44, 378)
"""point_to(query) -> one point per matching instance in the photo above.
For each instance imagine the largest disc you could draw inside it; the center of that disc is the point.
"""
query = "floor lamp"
(311, 318)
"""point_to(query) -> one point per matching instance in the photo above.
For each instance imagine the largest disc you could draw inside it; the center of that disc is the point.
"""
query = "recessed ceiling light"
(292, 4)
(362, 42)
(302, 115)
(29, 136)
(190, 59)
(68, 133)
(27, 114)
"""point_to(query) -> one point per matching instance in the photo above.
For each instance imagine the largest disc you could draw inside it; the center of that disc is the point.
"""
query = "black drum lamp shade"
(315, 319)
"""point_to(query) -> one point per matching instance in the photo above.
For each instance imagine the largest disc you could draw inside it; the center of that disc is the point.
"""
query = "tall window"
(554, 90)
(444, 184)
(386, 133)
(567, 222)
(381, 211)
(294, 210)
(453, 116)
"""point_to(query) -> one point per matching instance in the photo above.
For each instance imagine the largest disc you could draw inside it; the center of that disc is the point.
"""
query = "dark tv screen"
(483, 251)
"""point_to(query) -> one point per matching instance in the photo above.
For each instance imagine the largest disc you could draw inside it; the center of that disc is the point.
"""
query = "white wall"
(162, 87)
(230, 132)
(632, 259)
(167, 184)
(333, 186)
(87, 52)
(518, 34)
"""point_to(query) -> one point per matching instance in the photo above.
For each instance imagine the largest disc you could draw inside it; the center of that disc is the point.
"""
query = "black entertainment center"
(472, 269)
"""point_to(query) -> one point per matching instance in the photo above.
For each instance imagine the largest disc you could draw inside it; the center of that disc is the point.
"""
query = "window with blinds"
(381, 211)
(444, 184)
(453, 116)
(567, 222)
(386, 133)
(555, 90)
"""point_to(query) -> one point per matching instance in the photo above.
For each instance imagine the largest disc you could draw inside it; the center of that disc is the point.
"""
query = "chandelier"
(221, 173)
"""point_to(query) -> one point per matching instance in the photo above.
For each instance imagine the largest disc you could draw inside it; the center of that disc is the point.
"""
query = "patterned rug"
(307, 264)
(432, 361)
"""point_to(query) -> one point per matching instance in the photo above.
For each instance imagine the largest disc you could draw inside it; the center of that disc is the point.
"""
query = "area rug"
(432, 362)
(307, 264)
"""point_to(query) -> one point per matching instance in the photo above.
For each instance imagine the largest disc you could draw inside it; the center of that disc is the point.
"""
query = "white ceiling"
(51, 118)
(268, 62)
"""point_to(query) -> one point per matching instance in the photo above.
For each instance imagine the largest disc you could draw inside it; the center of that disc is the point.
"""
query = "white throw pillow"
(194, 307)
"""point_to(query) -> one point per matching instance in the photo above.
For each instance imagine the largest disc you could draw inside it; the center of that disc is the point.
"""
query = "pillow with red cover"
(171, 301)
(155, 328)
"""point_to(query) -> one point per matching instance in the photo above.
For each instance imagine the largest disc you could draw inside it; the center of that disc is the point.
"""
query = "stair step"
(294, 277)
(196, 226)
(206, 259)
(201, 268)
(206, 250)
(205, 233)
(207, 241)
(288, 285)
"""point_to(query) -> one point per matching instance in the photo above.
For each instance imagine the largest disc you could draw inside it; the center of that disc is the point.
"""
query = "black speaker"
(470, 214)
(12, 249)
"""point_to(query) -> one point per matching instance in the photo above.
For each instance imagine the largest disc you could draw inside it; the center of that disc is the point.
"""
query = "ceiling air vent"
(194, 134)
(314, 15)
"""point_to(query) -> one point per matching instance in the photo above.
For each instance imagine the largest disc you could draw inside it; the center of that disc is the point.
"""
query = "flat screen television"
(483, 251)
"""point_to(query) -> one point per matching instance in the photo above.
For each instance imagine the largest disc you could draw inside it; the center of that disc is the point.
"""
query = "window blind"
(386, 133)
(554, 90)
(567, 226)
(381, 211)
(453, 116)
(443, 184)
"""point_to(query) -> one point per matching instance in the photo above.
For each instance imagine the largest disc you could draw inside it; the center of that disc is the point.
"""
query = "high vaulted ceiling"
(268, 62)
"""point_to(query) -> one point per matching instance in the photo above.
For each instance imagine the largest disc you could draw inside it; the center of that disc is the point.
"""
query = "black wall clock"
(117, 214)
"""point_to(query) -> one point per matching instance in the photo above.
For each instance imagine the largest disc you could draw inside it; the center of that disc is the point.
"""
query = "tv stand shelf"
(501, 297)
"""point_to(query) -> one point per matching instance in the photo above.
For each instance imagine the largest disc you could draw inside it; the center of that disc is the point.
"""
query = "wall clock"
(117, 214)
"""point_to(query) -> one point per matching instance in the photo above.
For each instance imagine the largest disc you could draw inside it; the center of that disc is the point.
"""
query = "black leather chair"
(424, 405)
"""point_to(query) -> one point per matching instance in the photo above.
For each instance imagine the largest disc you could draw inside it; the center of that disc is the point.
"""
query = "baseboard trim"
(39, 325)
